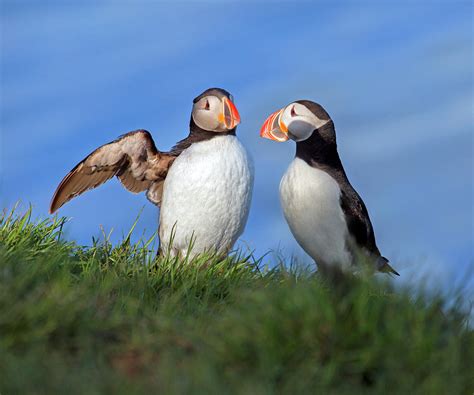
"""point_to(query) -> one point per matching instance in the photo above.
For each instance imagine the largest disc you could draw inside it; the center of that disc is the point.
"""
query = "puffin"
(202, 186)
(326, 215)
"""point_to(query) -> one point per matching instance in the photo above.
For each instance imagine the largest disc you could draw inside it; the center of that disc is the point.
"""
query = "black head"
(218, 92)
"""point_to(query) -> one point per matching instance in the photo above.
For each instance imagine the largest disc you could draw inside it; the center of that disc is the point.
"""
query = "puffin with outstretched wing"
(203, 185)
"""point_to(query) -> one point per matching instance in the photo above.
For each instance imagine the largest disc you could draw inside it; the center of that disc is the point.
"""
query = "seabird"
(326, 215)
(203, 185)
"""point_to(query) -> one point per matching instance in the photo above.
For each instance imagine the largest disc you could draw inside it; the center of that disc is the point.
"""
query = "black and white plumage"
(203, 185)
(324, 212)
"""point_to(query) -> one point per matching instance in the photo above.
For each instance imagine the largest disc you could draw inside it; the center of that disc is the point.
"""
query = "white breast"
(310, 201)
(206, 197)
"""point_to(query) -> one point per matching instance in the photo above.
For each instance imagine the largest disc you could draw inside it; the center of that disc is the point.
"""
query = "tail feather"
(384, 267)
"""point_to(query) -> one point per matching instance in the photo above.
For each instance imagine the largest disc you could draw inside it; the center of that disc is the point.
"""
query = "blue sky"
(396, 78)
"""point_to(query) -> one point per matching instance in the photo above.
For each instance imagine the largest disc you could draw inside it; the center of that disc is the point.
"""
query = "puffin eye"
(207, 106)
(293, 112)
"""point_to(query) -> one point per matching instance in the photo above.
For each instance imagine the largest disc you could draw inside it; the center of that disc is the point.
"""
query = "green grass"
(114, 319)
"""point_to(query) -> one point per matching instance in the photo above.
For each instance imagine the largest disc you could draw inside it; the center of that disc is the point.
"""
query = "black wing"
(360, 227)
(358, 221)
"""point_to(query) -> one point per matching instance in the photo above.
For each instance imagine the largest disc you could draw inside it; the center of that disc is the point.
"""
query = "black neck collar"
(196, 134)
(320, 149)
(200, 134)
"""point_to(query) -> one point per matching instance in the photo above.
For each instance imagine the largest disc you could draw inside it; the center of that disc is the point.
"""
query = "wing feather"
(133, 158)
(360, 227)
(358, 220)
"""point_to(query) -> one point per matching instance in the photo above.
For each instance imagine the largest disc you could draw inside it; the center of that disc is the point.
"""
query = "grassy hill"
(113, 319)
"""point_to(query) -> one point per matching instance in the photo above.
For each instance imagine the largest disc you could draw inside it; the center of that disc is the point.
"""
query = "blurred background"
(396, 78)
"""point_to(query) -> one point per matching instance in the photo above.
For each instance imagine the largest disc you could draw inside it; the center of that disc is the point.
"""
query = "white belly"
(310, 201)
(206, 197)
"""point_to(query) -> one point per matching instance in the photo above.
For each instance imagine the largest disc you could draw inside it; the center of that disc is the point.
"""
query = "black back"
(320, 151)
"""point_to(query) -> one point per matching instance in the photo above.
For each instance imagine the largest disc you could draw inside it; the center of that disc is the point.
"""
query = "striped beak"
(274, 128)
(230, 117)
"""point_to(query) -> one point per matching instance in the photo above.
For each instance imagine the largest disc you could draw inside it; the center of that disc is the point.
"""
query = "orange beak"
(274, 128)
(230, 116)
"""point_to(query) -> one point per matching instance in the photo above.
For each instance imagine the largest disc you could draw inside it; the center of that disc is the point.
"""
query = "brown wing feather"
(132, 184)
(133, 158)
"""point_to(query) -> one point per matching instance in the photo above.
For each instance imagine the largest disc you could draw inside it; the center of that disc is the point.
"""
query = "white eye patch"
(206, 113)
(301, 122)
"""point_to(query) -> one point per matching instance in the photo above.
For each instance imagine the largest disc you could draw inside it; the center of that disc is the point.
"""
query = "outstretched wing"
(133, 158)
